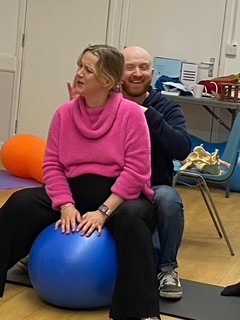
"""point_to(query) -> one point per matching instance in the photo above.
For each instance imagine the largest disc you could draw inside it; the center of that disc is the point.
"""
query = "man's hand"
(144, 109)
(72, 89)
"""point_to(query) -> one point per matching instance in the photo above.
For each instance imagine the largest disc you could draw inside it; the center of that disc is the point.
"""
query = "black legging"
(27, 212)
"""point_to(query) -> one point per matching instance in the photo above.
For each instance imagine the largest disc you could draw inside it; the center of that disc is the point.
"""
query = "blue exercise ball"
(235, 181)
(74, 271)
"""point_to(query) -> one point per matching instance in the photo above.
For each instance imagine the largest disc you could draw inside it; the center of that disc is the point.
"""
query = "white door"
(56, 32)
(186, 30)
(11, 23)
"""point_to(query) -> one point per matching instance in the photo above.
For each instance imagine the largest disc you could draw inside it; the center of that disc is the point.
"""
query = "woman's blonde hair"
(110, 64)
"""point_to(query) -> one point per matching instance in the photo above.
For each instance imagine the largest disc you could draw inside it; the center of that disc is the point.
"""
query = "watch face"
(103, 208)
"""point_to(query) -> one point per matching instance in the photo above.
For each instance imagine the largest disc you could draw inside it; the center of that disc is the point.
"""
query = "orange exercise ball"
(22, 155)
(35, 160)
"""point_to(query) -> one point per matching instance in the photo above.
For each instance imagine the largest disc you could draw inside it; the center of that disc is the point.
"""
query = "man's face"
(138, 73)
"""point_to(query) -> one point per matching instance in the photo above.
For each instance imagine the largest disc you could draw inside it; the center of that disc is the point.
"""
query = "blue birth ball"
(74, 271)
(235, 181)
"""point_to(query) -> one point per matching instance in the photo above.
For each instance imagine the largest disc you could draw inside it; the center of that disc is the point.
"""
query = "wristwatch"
(104, 209)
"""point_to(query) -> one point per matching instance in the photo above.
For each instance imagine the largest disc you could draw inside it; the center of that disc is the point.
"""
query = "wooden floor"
(203, 257)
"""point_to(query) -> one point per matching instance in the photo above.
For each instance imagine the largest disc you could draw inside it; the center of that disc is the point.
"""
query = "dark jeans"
(167, 237)
(27, 212)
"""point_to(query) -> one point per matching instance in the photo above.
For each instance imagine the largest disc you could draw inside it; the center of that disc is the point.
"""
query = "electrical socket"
(231, 50)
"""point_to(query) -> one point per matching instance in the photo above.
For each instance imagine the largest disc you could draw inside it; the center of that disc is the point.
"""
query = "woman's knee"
(132, 212)
(22, 197)
(24, 201)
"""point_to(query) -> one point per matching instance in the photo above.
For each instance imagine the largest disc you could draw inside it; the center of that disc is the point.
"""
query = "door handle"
(208, 65)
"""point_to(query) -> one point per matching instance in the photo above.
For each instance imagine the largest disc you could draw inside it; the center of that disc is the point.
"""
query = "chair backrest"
(233, 143)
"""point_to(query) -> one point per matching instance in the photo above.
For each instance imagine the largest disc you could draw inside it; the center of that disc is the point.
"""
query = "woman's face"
(87, 83)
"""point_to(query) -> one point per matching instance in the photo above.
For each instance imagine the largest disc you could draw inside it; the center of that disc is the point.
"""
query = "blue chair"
(201, 180)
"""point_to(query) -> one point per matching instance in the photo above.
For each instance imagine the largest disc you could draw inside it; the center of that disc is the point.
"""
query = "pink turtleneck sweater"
(112, 141)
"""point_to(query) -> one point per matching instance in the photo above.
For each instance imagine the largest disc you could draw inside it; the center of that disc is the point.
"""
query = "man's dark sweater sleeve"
(169, 132)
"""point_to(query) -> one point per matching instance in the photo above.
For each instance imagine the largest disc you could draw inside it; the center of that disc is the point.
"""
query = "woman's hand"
(70, 218)
(91, 221)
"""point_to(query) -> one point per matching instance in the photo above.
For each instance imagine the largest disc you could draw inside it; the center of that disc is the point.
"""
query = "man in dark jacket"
(170, 141)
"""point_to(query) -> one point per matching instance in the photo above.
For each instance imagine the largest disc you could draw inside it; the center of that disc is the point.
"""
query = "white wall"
(11, 12)
(232, 64)
(183, 30)
(56, 33)
(228, 64)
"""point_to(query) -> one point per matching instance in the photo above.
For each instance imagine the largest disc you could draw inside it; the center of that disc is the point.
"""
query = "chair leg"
(227, 191)
(205, 187)
(174, 180)
(201, 187)
(201, 183)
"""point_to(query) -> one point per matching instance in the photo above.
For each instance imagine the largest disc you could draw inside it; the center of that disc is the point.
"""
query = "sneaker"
(23, 264)
(169, 285)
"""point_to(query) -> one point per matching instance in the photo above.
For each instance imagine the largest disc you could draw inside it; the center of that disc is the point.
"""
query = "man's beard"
(136, 92)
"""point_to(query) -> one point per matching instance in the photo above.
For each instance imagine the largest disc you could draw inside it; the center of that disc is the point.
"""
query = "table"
(207, 103)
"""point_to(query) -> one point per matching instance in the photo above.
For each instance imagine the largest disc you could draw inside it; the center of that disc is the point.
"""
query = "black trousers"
(27, 212)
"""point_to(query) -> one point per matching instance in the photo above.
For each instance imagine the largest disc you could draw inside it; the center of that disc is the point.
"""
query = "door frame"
(19, 65)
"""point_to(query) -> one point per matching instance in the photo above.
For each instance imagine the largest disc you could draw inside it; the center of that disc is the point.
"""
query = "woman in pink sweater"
(96, 174)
